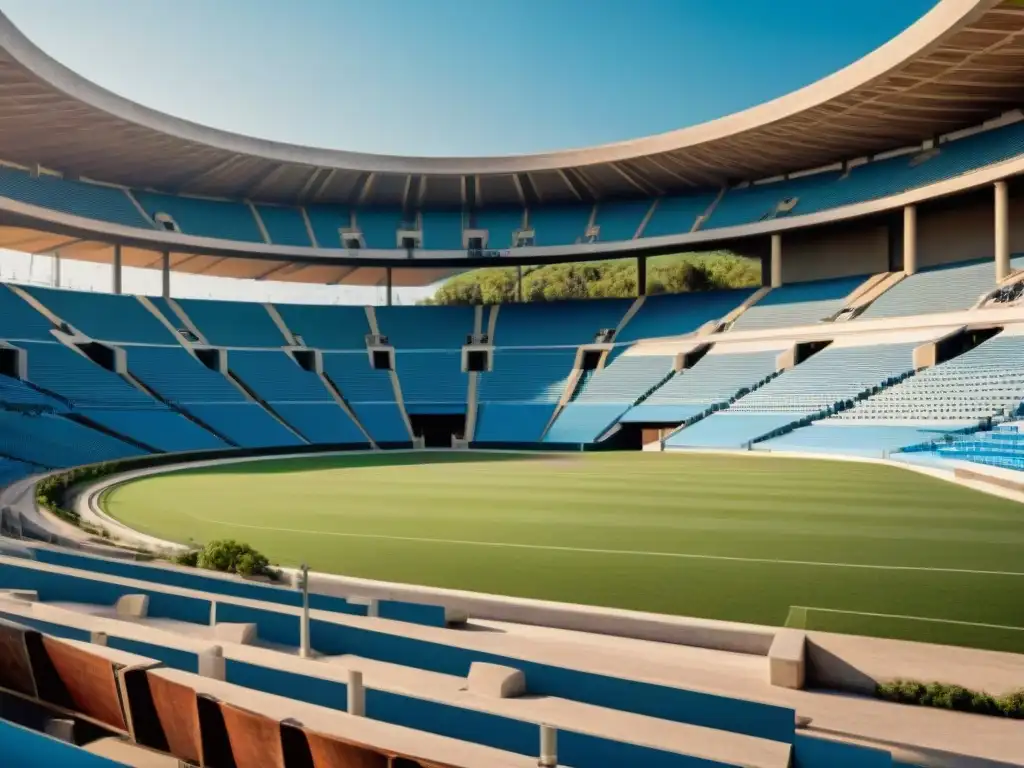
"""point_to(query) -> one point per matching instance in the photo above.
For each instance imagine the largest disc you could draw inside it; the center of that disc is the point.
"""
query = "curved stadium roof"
(959, 65)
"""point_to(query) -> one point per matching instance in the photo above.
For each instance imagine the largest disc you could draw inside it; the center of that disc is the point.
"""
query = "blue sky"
(457, 77)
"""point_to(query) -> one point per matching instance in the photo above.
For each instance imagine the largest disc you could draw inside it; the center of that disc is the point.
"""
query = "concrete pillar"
(389, 285)
(304, 647)
(776, 260)
(641, 276)
(56, 269)
(165, 268)
(117, 270)
(356, 694)
(1002, 231)
(519, 283)
(548, 747)
(910, 239)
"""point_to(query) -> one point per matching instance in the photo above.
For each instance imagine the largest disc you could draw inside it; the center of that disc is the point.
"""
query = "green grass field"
(725, 537)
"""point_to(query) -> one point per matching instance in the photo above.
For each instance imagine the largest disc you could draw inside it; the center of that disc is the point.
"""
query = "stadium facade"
(852, 148)
(885, 204)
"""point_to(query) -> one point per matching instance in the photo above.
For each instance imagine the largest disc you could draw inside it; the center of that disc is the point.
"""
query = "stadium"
(762, 526)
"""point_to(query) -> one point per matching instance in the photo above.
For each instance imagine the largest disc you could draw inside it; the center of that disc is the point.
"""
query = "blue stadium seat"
(178, 377)
(285, 225)
(380, 226)
(383, 421)
(583, 422)
(78, 198)
(162, 429)
(678, 314)
(500, 224)
(55, 441)
(619, 221)
(323, 423)
(728, 430)
(849, 438)
(559, 225)
(164, 308)
(233, 323)
(12, 470)
(798, 304)
(557, 322)
(832, 377)
(326, 326)
(941, 289)
(356, 380)
(625, 379)
(677, 215)
(442, 230)
(983, 382)
(222, 219)
(16, 394)
(425, 327)
(662, 413)
(1002, 447)
(58, 369)
(104, 316)
(298, 396)
(20, 320)
(245, 424)
(526, 376)
(275, 376)
(512, 422)
(327, 221)
(715, 379)
(759, 202)
(432, 382)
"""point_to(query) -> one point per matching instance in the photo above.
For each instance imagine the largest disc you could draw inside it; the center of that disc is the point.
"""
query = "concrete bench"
(787, 659)
(496, 681)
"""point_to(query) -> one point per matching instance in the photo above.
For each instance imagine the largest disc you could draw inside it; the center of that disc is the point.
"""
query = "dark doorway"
(437, 429)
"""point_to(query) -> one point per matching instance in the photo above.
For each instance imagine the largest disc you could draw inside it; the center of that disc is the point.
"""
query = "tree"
(680, 273)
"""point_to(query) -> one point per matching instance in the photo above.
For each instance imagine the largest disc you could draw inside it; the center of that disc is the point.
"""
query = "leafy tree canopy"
(616, 278)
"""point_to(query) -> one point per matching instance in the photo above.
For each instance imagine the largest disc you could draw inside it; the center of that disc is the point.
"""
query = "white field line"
(596, 551)
(908, 618)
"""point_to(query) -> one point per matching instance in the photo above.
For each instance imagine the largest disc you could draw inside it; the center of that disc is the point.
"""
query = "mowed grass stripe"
(729, 537)
(586, 550)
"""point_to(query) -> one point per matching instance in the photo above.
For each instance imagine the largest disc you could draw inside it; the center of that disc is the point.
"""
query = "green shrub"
(189, 558)
(955, 697)
(228, 556)
(1012, 705)
(50, 492)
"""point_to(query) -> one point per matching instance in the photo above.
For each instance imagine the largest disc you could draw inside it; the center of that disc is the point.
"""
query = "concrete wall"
(836, 253)
(674, 704)
(61, 587)
(815, 752)
(414, 613)
(946, 235)
(20, 746)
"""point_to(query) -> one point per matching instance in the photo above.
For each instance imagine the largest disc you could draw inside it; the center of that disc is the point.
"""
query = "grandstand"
(518, 576)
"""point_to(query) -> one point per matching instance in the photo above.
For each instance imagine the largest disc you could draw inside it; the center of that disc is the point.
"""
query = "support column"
(56, 269)
(641, 276)
(389, 285)
(304, 646)
(117, 270)
(519, 284)
(1002, 231)
(165, 269)
(776, 260)
(356, 694)
(910, 239)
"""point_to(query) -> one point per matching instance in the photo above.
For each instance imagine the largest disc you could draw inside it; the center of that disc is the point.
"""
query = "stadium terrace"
(653, 530)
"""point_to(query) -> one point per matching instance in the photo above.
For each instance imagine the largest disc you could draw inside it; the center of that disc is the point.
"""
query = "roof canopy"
(959, 65)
